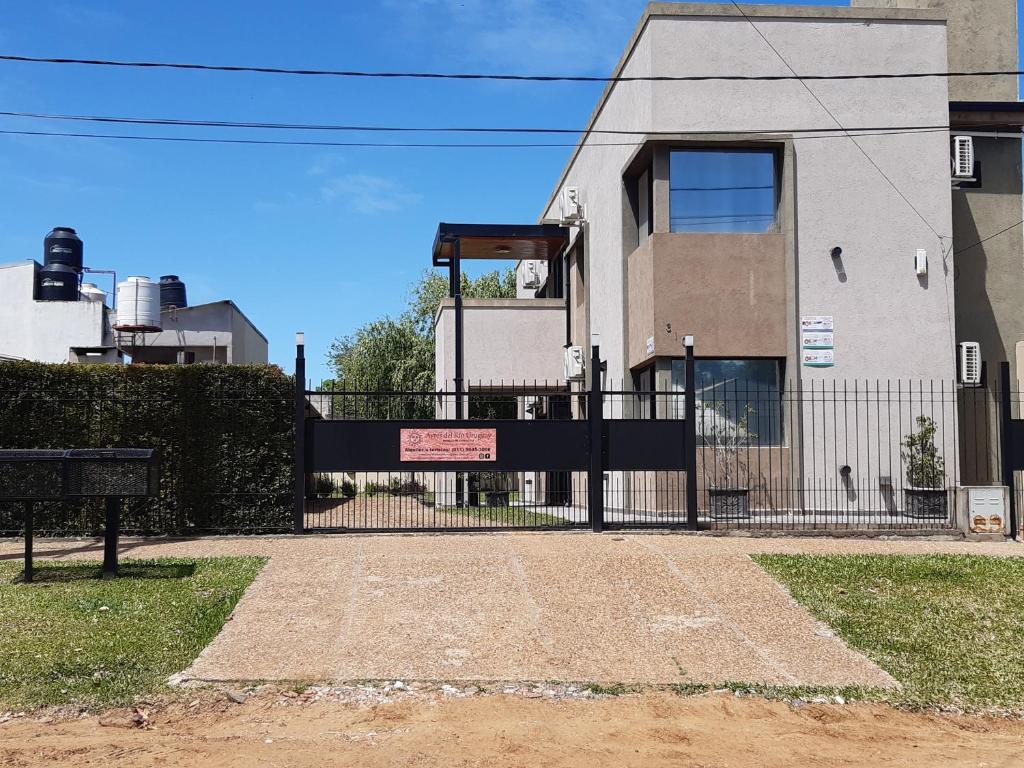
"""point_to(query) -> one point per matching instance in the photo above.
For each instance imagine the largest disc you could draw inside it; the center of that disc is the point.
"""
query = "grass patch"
(511, 516)
(71, 638)
(615, 689)
(948, 627)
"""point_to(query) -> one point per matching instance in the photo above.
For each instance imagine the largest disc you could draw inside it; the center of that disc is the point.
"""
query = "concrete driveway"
(631, 608)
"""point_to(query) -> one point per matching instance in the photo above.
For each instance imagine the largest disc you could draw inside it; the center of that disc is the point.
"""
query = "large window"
(736, 398)
(723, 190)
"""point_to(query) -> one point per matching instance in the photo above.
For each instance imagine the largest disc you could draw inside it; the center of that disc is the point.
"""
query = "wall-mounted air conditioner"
(970, 363)
(531, 275)
(574, 363)
(570, 206)
(963, 158)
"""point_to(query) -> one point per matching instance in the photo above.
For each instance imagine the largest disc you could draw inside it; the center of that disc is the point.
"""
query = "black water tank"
(58, 282)
(63, 246)
(172, 292)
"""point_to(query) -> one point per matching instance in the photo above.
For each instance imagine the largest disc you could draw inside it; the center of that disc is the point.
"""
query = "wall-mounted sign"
(817, 340)
(448, 445)
(818, 358)
(650, 345)
(816, 323)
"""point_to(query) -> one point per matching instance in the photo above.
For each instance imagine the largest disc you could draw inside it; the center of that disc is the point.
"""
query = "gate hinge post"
(299, 511)
(690, 454)
(595, 419)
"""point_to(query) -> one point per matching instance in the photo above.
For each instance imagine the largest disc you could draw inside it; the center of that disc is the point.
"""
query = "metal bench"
(31, 476)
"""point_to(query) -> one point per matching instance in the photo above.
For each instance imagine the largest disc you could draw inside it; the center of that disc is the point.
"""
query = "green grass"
(511, 516)
(614, 689)
(71, 638)
(949, 628)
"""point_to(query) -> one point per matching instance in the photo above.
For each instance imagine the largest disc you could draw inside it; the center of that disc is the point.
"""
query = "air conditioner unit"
(574, 363)
(570, 206)
(963, 158)
(531, 275)
(970, 363)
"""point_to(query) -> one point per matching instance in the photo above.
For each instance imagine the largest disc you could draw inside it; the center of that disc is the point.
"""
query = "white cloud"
(524, 36)
(368, 194)
(324, 164)
(89, 17)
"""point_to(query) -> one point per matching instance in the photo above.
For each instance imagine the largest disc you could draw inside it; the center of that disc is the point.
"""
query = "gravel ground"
(631, 608)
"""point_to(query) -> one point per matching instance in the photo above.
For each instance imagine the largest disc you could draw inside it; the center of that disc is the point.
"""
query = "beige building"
(803, 232)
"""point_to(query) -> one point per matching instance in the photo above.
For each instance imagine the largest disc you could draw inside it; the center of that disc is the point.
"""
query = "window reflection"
(731, 190)
(741, 398)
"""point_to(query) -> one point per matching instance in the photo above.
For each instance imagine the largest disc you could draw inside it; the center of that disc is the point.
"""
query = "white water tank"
(138, 305)
(92, 292)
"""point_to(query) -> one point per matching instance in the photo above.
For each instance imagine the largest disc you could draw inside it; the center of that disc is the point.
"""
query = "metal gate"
(524, 457)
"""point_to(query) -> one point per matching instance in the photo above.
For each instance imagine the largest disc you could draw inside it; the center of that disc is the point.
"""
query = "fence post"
(595, 419)
(691, 437)
(299, 513)
(1006, 442)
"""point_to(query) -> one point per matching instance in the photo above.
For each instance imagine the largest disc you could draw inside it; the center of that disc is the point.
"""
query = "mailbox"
(31, 475)
(120, 472)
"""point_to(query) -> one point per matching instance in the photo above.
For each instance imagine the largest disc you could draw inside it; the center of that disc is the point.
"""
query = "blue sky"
(301, 238)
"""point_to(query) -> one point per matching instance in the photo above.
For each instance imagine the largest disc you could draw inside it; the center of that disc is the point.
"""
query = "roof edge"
(662, 9)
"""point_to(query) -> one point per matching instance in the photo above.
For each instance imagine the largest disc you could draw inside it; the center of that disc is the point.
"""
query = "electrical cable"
(398, 145)
(206, 123)
(492, 76)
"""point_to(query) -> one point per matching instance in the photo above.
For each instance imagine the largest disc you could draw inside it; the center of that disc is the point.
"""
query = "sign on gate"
(448, 445)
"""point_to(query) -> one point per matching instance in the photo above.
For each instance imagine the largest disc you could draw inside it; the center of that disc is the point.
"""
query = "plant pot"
(729, 503)
(927, 503)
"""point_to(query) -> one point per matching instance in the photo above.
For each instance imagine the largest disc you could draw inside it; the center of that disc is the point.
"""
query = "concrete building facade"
(50, 331)
(802, 231)
(217, 332)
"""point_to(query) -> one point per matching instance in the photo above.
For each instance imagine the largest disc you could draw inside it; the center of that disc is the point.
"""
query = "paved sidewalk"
(631, 608)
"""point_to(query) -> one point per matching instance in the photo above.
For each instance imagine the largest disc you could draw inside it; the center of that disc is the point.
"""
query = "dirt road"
(497, 731)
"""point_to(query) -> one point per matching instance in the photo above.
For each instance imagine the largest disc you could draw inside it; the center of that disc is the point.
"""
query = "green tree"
(427, 294)
(398, 354)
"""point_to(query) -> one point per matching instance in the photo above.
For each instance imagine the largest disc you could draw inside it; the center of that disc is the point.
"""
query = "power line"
(491, 76)
(207, 123)
(398, 145)
(990, 237)
(835, 119)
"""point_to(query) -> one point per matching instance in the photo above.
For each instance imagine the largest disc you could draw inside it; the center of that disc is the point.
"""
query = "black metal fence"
(830, 455)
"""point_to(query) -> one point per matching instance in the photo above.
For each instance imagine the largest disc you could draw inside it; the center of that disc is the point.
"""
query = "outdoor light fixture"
(502, 250)
(687, 341)
(300, 339)
(836, 252)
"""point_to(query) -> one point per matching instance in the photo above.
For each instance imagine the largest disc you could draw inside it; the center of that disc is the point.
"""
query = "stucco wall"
(206, 327)
(728, 290)
(841, 197)
(45, 331)
(506, 340)
(982, 38)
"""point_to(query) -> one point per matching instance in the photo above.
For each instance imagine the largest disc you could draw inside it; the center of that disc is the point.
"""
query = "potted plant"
(925, 493)
(729, 496)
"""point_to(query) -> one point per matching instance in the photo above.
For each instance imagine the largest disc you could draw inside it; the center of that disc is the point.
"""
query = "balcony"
(729, 290)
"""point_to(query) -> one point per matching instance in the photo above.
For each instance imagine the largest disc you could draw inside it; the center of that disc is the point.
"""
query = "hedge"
(224, 434)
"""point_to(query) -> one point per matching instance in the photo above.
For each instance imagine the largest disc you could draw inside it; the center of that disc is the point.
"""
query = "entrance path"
(630, 608)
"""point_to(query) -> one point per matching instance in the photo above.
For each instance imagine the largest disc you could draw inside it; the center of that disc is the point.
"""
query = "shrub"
(224, 435)
(324, 485)
(372, 489)
(925, 466)
(348, 489)
(399, 487)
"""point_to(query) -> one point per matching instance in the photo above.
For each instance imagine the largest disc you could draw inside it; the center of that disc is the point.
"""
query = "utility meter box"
(985, 510)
